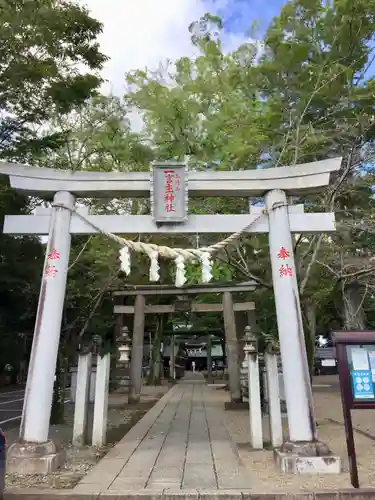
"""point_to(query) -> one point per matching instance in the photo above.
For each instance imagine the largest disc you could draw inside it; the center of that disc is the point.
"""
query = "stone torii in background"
(170, 215)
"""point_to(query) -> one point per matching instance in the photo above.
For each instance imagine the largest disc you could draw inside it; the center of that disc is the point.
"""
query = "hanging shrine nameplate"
(169, 192)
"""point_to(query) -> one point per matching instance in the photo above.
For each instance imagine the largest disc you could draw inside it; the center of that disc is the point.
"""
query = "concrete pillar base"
(306, 448)
(35, 458)
(307, 458)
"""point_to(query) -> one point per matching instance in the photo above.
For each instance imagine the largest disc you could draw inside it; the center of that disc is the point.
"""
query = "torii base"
(307, 458)
(35, 458)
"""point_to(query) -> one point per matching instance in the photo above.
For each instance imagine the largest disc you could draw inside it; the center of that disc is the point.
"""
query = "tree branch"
(330, 269)
(361, 272)
(244, 271)
(310, 265)
(97, 304)
(329, 206)
(80, 252)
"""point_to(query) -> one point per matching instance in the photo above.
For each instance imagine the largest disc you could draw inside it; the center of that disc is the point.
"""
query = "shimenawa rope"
(180, 255)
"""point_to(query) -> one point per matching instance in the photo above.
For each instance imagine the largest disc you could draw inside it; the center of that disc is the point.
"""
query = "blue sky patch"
(239, 15)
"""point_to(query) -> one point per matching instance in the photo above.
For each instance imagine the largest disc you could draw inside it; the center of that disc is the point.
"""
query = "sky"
(141, 33)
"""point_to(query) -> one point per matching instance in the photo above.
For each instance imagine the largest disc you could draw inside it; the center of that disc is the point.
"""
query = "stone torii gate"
(169, 216)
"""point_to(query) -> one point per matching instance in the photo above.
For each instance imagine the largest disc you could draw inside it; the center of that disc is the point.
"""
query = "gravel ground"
(121, 417)
(260, 464)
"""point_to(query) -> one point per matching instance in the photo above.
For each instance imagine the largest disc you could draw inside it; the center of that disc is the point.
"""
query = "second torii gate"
(169, 216)
(227, 307)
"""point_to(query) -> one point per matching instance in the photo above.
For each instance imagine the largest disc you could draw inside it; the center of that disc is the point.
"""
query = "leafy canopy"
(49, 56)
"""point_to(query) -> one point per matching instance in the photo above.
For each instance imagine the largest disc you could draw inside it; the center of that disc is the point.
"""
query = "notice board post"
(355, 352)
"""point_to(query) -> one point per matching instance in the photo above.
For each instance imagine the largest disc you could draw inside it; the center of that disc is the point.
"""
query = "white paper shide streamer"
(206, 267)
(125, 260)
(180, 271)
(154, 266)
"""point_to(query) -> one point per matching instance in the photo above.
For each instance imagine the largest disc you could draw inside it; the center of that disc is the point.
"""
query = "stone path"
(181, 444)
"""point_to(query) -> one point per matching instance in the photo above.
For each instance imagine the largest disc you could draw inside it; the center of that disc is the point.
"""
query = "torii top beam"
(44, 182)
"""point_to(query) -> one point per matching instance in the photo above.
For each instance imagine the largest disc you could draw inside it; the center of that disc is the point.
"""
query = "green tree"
(49, 58)
(49, 63)
(96, 136)
(21, 268)
(306, 97)
(314, 76)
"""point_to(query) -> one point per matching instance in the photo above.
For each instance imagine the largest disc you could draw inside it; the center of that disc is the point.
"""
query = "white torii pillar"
(298, 397)
(37, 405)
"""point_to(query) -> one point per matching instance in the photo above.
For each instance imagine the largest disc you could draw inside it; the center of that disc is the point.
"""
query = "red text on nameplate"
(169, 190)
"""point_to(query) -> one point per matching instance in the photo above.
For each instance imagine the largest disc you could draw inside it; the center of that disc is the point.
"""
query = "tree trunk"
(155, 371)
(310, 333)
(353, 313)
(57, 411)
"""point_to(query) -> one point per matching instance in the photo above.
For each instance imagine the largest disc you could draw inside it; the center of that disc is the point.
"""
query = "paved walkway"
(180, 444)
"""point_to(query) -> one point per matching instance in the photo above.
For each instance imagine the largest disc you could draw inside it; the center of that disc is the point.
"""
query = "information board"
(361, 362)
(355, 353)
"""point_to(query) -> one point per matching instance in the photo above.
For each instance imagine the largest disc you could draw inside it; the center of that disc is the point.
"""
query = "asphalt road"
(11, 408)
(11, 402)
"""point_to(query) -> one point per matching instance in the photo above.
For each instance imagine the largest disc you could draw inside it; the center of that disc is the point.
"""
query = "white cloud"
(143, 33)
(140, 33)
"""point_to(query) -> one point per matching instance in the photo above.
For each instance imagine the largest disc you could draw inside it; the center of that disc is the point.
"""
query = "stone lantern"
(123, 343)
(97, 343)
(250, 342)
(250, 346)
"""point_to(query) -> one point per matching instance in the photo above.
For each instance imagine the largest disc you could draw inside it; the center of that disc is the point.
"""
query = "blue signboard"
(362, 384)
